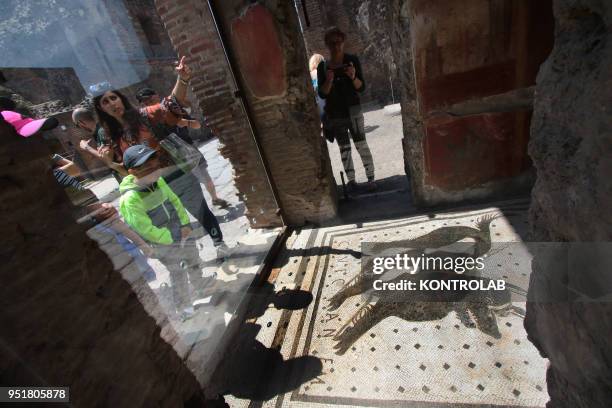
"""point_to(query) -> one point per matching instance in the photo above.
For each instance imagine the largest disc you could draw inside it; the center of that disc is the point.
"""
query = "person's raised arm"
(189, 123)
(355, 73)
(85, 146)
(182, 81)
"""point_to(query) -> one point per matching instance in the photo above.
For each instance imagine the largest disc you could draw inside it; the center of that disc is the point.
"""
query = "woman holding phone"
(340, 83)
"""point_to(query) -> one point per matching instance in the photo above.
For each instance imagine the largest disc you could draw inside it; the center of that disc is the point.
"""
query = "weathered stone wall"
(272, 66)
(366, 23)
(69, 319)
(412, 122)
(571, 147)
(40, 85)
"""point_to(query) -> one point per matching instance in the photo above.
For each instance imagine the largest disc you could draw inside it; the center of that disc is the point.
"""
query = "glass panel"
(129, 144)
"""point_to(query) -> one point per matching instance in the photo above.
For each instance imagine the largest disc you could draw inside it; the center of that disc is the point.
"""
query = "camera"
(340, 70)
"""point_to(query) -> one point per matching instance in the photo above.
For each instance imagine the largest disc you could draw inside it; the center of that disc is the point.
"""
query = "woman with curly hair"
(126, 126)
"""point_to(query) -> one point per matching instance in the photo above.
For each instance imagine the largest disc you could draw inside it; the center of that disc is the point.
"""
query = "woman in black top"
(340, 82)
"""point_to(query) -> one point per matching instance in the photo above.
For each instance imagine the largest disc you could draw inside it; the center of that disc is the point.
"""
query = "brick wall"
(287, 123)
(149, 27)
(159, 57)
(192, 33)
(68, 318)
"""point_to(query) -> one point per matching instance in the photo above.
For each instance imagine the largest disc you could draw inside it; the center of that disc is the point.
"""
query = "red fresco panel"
(257, 46)
(448, 89)
(466, 152)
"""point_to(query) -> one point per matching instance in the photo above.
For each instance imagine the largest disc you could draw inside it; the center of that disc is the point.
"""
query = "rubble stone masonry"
(68, 318)
(571, 147)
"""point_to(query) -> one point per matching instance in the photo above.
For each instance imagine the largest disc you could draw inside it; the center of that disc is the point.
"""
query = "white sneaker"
(187, 313)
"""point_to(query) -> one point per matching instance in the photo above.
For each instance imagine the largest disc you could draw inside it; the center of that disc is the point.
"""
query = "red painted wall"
(257, 47)
(468, 49)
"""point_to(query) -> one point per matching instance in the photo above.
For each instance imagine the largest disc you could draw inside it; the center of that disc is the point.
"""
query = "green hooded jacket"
(154, 212)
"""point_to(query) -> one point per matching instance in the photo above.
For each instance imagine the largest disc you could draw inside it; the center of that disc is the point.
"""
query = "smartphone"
(56, 158)
(340, 70)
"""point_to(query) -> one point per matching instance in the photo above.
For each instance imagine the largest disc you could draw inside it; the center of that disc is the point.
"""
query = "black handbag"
(327, 133)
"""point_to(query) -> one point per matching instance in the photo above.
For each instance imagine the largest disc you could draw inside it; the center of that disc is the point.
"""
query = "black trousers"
(187, 187)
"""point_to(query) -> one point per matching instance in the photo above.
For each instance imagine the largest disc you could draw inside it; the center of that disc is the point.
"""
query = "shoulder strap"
(127, 192)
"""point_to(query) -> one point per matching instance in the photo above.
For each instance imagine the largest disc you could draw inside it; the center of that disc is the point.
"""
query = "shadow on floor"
(233, 212)
(255, 372)
(247, 254)
(392, 199)
(250, 370)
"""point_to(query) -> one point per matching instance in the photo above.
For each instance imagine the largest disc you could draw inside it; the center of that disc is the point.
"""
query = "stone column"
(412, 122)
(271, 65)
(571, 147)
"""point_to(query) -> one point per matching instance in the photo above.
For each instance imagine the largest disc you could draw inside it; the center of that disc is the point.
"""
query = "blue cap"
(136, 155)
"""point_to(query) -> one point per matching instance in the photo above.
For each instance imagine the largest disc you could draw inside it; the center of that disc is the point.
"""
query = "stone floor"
(313, 350)
(384, 135)
(306, 340)
(393, 197)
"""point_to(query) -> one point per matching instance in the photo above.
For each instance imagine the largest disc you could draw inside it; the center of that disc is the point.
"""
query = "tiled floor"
(365, 352)
(311, 340)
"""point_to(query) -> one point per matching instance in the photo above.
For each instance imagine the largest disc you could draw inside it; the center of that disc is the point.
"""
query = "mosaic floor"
(363, 352)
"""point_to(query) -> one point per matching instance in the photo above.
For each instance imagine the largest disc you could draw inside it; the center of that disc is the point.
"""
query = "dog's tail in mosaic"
(484, 225)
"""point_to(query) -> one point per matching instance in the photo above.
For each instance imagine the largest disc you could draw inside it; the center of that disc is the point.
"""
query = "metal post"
(239, 93)
(343, 186)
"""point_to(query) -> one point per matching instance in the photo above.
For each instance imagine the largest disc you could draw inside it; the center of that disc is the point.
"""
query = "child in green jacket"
(152, 209)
